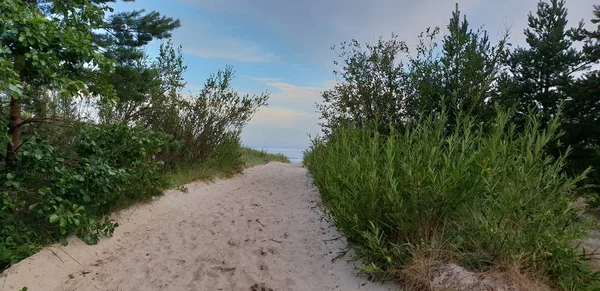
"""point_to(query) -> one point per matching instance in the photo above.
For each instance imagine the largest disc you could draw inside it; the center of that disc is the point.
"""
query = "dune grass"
(484, 199)
(221, 167)
(254, 157)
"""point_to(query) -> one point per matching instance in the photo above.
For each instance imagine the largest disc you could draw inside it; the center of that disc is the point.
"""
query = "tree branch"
(39, 120)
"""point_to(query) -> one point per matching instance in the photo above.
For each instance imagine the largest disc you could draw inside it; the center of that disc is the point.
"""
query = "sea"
(294, 155)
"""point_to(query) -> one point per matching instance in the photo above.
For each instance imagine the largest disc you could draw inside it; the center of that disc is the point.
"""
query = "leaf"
(86, 198)
(53, 218)
(16, 90)
(10, 176)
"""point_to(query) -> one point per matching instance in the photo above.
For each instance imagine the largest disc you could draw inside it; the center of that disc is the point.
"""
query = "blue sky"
(284, 46)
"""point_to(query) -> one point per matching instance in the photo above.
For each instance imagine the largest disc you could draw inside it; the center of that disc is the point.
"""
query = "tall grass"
(253, 157)
(224, 165)
(481, 198)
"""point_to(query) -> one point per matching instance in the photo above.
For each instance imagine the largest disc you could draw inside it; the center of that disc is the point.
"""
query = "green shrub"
(483, 196)
(52, 193)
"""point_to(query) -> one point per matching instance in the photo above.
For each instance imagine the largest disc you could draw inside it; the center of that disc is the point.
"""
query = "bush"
(54, 192)
(484, 197)
(206, 123)
(65, 180)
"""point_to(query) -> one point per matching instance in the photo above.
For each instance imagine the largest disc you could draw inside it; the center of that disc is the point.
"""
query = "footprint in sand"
(260, 252)
(260, 287)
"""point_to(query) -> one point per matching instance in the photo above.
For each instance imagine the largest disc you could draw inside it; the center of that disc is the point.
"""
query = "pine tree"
(551, 72)
(469, 65)
(596, 20)
(539, 74)
(133, 78)
(581, 122)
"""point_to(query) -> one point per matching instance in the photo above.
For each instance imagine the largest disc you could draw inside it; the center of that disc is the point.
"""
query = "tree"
(596, 20)
(68, 47)
(469, 66)
(378, 86)
(134, 79)
(581, 122)
(539, 74)
(371, 87)
(551, 73)
(48, 43)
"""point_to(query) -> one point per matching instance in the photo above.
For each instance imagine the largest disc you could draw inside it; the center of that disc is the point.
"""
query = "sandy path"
(262, 228)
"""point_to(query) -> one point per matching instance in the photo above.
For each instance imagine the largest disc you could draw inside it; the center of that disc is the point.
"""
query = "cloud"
(205, 39)
(192, 88)
(231, 49)
(262, 136)
(265, 80)
(311, 27)
(291, 118)
(277, 127)
(294, 96)
(279, 117)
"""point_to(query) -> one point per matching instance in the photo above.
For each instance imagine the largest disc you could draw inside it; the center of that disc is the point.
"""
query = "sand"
(262, 230)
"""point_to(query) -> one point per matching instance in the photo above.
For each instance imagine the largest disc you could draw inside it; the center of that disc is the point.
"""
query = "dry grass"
(418, 275)
(432, 270)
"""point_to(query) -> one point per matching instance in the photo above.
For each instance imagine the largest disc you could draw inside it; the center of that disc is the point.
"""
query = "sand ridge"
(261, 230)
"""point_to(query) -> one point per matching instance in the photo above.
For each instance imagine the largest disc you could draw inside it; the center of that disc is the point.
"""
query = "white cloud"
(294, 96)
(279, 117)
(206, 40)
(265, 80)
(234, 50)
(312, 26)
(192, 88)
(290, 120)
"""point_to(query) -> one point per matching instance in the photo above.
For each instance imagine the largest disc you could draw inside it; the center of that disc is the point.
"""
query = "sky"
(284, 47)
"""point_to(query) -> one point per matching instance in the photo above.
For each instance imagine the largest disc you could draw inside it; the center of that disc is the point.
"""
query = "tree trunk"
(14, 121)
(14, 129)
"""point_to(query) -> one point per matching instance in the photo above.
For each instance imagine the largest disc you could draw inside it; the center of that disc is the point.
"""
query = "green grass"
(253, 157)
(220, 168)
(485, 199)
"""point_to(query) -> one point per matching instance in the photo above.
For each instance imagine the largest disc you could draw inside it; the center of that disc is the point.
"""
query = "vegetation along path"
(262, 230)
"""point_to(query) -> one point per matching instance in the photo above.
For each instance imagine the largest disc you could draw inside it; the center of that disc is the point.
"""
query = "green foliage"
(485, 197)
(550, 62)
(415, 159)
(469, 65)
(206, 122)
(542, 77)
(47, 46)
(137, 83)
(256, 157)
(372, 82)
(52, 193)
(71, 161)
(231, 160)
(376, 84)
